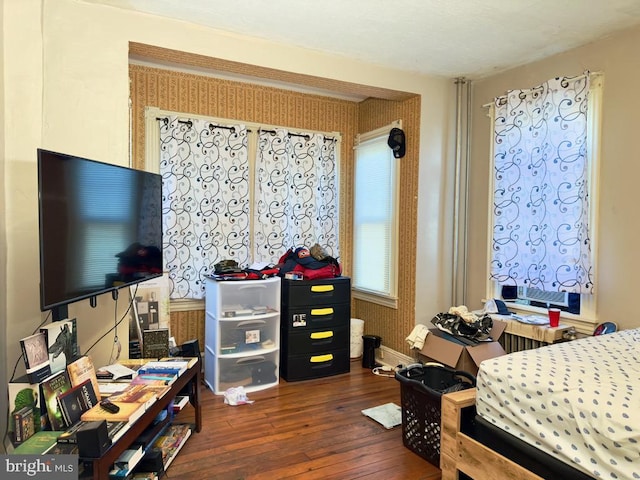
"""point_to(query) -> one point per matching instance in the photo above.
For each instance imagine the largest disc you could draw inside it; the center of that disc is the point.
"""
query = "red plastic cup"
(554, 317)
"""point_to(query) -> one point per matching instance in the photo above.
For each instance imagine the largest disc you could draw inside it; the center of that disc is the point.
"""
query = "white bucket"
(357, 330)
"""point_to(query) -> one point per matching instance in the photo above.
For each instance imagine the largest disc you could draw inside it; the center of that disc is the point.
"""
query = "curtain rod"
(577, 77)
(189, 123)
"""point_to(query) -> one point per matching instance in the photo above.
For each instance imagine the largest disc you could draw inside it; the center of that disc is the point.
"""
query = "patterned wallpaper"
(390, 324)
(204, 95)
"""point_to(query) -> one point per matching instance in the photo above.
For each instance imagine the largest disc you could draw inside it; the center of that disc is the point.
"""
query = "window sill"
(582, 323)
(378, 299)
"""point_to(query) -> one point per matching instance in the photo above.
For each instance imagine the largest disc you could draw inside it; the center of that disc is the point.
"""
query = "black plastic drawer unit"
(314, 327)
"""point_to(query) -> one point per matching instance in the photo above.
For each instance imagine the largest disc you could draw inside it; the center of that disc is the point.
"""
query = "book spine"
(172, 371)
(24, 354)
(62, 406)
(18, 433)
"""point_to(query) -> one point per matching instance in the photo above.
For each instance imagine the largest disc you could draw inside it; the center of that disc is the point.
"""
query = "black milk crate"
(421, 389)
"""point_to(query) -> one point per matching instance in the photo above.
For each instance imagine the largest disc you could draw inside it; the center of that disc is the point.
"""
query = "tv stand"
(192, 378)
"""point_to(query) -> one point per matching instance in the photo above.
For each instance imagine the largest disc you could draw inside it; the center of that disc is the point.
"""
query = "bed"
(566, 411)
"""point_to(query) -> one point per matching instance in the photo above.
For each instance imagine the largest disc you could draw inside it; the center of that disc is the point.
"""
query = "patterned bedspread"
(578, 401)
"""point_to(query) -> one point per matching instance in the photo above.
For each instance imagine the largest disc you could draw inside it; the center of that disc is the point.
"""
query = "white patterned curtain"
(540, 198)
(296, 199)
(205, 201)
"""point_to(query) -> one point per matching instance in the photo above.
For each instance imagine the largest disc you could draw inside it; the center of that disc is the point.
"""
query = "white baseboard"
(392, 358)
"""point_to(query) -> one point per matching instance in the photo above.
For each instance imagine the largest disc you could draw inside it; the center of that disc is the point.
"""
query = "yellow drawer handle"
(319, 335)
(322, 288)
(322, 311)
(321, 358)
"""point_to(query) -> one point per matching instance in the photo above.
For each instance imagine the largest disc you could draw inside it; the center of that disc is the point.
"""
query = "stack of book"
(161, 372)
(132, 401)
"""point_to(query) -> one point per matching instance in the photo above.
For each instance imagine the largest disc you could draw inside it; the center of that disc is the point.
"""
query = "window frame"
(388, 298)
(587, 319)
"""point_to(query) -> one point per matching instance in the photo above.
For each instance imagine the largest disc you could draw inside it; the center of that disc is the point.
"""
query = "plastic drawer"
(316, 341)
(316, 317)
(246, 335)
(316, 292)
(306, 366)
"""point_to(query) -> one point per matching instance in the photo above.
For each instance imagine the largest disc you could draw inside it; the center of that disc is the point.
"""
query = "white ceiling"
(452, 38)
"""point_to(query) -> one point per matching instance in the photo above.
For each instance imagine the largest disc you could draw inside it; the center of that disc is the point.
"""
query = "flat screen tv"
(100, 228)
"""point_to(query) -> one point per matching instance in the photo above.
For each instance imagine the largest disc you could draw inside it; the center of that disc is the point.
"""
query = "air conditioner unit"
(542, 296)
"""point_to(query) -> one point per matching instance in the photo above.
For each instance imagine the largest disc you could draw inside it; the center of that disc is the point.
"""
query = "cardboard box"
(462, 357)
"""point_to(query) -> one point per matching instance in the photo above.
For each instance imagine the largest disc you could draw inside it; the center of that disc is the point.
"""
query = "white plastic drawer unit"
(242, 334)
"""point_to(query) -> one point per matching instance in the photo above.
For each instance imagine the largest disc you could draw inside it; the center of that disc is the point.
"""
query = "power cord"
(116, 323)
(386, 371)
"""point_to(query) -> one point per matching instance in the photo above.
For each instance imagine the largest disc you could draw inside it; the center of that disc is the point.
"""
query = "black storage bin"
(421, 389)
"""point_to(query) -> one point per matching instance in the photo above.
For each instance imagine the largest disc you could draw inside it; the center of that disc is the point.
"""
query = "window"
(375, 218)
(544, 189)
(244, 192)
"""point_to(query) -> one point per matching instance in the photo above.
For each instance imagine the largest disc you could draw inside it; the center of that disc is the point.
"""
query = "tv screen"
(100, 228)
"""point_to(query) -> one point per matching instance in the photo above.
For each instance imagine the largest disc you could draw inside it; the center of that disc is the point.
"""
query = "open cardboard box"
(462, 357)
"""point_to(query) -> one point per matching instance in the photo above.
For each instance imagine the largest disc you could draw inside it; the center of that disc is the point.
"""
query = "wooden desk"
(192, 377)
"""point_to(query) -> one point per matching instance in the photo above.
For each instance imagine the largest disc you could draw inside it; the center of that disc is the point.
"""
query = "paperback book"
(155, 343)
(171, 441)
(62, 343)
(36, 357)
(129, 459)
(23, 424)
(168, 366)
(180, 402)
(159, 378)
(64, 449)
(39, 443)
(77, 400)
(136, 393)
(128, 412)
(51, 387)
(81, 370)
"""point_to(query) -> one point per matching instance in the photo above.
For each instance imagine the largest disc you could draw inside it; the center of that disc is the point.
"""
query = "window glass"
(375, 217)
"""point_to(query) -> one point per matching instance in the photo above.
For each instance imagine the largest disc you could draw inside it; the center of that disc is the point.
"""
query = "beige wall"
(3, 238)
(619, 225)
(66, 68)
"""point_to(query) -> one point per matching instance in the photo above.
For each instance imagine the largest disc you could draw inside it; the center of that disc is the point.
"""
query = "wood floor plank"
(308, 430)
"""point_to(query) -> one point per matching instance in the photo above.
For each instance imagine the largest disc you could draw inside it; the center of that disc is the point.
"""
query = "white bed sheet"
(578, 401)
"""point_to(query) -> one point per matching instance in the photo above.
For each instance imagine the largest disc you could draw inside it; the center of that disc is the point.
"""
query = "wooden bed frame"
(461, 453)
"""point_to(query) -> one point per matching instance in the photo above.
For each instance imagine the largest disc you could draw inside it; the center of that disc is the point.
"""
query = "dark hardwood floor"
(312, 429)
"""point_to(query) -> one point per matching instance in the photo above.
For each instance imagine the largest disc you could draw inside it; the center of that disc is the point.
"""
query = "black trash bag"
(455, 325)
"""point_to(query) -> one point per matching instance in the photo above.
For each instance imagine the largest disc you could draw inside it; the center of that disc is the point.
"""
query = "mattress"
(578, 401)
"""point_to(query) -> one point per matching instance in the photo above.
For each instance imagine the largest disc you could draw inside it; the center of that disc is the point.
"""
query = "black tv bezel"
(59, 310)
